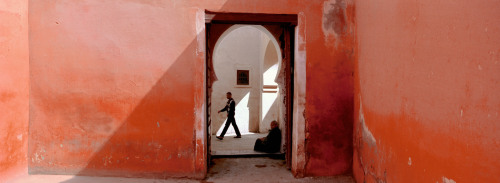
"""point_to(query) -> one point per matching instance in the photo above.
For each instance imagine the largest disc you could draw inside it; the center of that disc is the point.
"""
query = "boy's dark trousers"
(230, 120)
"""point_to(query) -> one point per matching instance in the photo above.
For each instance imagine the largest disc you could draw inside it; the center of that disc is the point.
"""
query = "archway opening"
(246, 62)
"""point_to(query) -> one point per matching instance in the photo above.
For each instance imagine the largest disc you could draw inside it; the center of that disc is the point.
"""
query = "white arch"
(220, 44)
(260, 28)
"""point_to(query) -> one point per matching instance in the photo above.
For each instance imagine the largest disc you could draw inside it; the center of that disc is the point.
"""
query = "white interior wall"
(239, 49)
(270, 104)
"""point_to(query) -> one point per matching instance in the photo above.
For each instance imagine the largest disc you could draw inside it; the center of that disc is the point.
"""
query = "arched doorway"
(282, 29)
(246, 62)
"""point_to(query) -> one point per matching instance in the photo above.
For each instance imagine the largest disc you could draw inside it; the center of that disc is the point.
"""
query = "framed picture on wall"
(243, 77)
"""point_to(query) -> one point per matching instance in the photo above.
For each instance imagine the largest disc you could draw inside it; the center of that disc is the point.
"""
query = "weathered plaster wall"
(329, 99)
(427, 91)
(117, 87)
(14, 88)
(114, 88)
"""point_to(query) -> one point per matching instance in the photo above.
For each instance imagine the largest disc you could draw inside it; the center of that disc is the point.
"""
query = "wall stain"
(7, 96)
(334, 18)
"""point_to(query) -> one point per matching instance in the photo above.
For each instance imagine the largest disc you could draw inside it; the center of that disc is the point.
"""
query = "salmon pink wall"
(329, 100)
(14, 88)
(117, 87)
(427, 92)
(113, 89)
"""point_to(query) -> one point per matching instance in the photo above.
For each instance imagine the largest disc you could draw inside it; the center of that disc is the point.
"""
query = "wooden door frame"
(288, 22)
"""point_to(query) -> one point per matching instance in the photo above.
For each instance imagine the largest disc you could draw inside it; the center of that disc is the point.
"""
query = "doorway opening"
(251, 56)
(246, 63)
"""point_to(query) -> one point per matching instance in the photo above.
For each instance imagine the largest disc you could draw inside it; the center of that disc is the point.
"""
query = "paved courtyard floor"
(235, 146)
(223, 170)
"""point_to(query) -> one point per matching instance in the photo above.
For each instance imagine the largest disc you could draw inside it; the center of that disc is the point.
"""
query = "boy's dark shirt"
(230, 105)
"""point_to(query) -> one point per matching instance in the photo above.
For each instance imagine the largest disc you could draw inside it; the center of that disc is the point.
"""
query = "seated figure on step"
(272, 142)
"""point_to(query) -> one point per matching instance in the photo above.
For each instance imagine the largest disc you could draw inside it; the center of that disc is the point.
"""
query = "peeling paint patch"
(38, 158)
(367, 134)
(20, 137)
(158, 124)
(107, 160)
(334, 19)
(446, 180)
(200, 28)
(409, 161)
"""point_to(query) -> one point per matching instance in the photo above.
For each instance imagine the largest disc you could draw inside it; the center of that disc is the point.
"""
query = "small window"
(242, 77)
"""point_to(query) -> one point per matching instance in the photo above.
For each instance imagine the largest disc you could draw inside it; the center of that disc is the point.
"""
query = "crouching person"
(272, 142)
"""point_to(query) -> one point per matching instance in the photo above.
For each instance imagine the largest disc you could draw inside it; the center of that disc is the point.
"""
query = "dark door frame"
(282, 26)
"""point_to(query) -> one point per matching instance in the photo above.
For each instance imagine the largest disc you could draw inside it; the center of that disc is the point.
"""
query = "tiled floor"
(235, 146)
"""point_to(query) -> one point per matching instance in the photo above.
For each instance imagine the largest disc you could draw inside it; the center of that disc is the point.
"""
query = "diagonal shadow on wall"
(158, 138)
